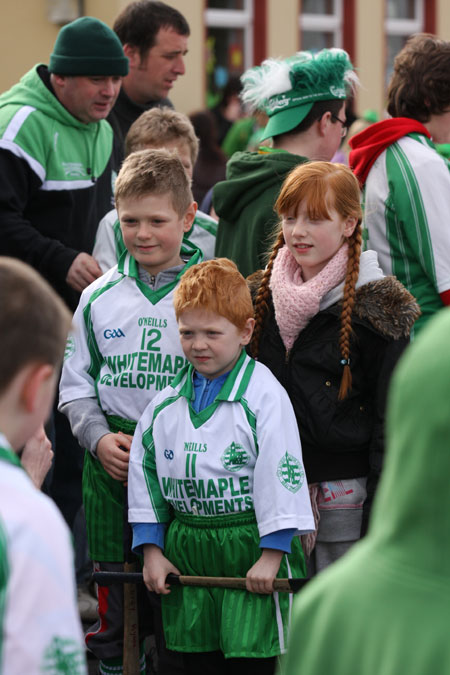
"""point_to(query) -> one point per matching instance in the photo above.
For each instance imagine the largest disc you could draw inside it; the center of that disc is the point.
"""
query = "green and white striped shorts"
(236, 622)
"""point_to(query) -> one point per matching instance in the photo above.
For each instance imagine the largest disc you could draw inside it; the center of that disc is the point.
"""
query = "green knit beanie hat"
(287, 89)
(87, 46)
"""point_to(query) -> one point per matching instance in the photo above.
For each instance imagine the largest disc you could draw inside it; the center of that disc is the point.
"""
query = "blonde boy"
(216, 459)
(155, 129)
(124, 350)
(39, 621)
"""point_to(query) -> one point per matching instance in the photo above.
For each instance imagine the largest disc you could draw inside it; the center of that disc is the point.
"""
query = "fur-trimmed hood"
(388, 306)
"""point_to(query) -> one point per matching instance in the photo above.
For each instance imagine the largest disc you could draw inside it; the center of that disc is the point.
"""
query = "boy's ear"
(324, 123)
(247, 331)
(34, 385)
(189, 216)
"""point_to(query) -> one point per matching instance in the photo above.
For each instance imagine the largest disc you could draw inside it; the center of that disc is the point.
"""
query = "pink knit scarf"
(297, 301)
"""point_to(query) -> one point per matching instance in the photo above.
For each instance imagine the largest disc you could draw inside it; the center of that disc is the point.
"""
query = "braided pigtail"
(262, 297)
(348, 302)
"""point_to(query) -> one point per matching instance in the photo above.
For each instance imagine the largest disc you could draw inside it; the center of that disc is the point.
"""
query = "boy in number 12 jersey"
(124, 349)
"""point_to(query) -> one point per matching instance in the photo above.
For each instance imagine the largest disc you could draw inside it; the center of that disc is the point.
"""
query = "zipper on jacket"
(91, 157)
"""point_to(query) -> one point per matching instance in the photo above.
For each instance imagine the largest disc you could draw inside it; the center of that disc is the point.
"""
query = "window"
(229, 43)
(226, 4)
(320, 24)
(403, 18)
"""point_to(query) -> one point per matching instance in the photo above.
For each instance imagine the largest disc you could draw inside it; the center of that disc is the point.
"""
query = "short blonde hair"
(159, 126)
(215, 286)
(154, 172)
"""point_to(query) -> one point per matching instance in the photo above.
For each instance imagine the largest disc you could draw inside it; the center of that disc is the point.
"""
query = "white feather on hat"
(304, 72)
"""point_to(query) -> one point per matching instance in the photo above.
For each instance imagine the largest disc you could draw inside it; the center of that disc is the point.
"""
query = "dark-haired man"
(154, 38)
(406, 182)
(304, 97)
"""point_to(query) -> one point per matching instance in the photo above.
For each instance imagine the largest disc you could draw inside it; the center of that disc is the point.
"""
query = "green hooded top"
(57, 179)
(384, 608)
(244, 203)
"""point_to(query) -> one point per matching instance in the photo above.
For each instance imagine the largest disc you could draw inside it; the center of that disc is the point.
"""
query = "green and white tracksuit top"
(40, 629)
(407, 200)
(57, 179)
(241, 453)
(109, 246)
(124, 348)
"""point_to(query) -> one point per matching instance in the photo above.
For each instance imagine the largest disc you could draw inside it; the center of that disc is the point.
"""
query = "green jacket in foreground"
(244, 203)
(384, 608)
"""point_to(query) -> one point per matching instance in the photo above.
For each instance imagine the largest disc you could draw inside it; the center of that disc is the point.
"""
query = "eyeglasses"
(344, 128)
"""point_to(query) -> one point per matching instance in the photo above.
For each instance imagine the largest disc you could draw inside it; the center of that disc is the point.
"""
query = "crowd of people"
(230, 394)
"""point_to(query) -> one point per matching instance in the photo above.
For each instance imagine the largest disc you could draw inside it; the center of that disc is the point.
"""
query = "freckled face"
(211, 342)
(314, 242)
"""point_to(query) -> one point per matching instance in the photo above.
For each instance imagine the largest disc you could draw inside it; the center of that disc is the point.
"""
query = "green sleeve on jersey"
(208, 224)
(120, 246)
(94, 351)
(159, 504)
(4, 574)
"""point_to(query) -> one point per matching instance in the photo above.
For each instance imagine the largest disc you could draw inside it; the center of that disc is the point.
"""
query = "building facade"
(228, 36)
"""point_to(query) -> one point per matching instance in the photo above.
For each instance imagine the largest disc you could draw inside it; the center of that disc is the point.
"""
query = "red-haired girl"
(331, 327)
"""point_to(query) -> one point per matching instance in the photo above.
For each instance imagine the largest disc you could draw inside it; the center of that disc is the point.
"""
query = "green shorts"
(236, 622)
(103, 499)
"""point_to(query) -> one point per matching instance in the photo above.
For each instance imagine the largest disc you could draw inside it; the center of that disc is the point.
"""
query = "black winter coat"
(343, 439)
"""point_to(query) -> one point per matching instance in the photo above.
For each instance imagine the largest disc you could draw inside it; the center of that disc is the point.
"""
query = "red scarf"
(371, 142)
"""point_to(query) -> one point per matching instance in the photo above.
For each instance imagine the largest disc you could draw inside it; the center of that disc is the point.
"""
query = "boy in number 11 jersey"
(217, 485)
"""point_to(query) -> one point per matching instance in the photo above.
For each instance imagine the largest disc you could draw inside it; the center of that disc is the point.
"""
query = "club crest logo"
(70, 347)
(235, 457)
(290, 473)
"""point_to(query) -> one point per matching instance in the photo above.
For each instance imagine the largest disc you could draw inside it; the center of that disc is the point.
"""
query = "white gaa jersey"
(242, 452)
(40, 628)
(407, 201)
(125, 346)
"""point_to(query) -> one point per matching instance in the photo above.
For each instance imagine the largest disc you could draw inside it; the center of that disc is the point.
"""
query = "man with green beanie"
(56, 156)
(304, 97)
(384, 609)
